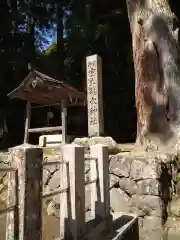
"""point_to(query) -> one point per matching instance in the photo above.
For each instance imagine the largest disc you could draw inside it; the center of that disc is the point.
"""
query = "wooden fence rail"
(25, 190)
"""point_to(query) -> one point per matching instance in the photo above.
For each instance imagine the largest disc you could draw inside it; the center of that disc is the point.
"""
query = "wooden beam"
(63, 119)
(27, 122)
(45, 129)
(68, 104)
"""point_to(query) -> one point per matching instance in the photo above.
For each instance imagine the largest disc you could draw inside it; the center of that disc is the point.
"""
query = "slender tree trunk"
(156, 62)
(14, 15)
(30, 47)
(60, 40)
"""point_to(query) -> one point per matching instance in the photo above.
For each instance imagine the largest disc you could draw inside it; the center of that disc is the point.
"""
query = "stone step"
(121, 222)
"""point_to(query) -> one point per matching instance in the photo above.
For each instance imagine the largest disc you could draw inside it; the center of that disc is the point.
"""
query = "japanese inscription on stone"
(94, 95)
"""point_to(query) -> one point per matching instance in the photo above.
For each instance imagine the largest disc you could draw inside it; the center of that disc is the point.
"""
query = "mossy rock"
(178, 177)
(107, 141)
(50, 153)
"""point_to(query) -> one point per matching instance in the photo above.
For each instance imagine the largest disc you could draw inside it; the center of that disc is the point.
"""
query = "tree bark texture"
(154, 31)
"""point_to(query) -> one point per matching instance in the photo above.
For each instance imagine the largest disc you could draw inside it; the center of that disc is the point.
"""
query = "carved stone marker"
(94, 95)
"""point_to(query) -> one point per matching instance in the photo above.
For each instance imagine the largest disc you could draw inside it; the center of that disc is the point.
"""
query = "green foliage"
(101, 30)
(51, 49)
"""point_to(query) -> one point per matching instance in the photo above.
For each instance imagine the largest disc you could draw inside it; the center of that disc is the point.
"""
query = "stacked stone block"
(143, 184)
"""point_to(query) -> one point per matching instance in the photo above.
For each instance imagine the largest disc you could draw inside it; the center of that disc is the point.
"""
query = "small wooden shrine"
(38, 88)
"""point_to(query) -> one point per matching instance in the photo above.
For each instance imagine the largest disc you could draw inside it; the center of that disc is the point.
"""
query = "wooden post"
(27, 122)
(63, 119)
(99, 169)
(72, 215)
(94, 95)
(28, 161)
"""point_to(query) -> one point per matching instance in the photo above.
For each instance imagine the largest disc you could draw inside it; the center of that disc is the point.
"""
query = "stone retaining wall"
(143, 184)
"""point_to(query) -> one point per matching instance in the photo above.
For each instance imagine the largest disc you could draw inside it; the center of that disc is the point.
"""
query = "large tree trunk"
(156, 63)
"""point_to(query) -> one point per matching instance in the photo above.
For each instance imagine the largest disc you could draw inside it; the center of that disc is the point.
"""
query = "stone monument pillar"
(94, 95)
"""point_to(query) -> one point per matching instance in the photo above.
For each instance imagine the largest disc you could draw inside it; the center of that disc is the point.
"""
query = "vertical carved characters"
(94, 95)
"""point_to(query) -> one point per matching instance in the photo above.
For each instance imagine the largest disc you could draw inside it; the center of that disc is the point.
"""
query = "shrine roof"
(41, 89)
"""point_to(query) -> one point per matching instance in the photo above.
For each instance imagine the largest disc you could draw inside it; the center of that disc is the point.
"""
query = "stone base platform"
(146, 184)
